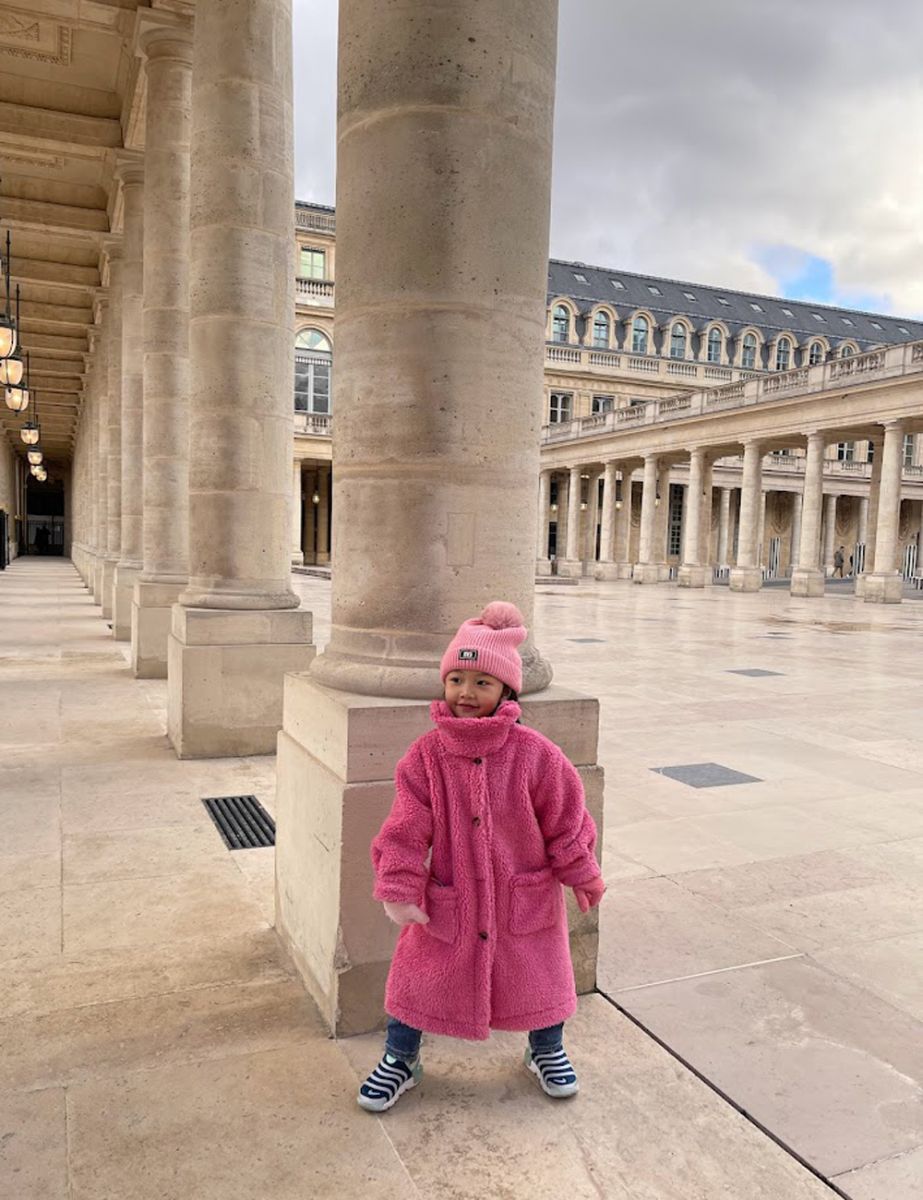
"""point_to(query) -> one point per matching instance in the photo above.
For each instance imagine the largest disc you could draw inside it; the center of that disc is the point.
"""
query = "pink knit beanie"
(488, 643)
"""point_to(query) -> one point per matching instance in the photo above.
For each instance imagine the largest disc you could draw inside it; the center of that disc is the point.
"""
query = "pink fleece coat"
(503, 811)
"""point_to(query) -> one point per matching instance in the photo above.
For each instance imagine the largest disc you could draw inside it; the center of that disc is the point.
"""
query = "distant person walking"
(839, 559)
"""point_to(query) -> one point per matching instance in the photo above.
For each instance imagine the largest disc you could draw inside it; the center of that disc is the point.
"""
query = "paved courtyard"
(762, 939)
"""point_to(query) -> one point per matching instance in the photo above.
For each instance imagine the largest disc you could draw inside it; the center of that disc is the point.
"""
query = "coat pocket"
(535, 902)
(441, 908)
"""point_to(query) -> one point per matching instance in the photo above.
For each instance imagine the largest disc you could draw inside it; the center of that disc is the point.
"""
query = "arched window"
(313, 360)
(639, 332)
(715, 345)
(845, 351)
(678, 340)
(601, 330)
(816, 354)
(560, 324)
(748, 351)
(783, 354)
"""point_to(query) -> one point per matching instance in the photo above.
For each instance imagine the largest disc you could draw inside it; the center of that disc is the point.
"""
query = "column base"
(337, 754)
(225, 669)
(543, 566)
(607, 570)
(745, 579)
(570, 568)
(107, 587)
(123, 591)
(151, 617)
(860, 584)
(650, 572)
(807, 581)
(693, 576)
(297, 558)
(883, 588)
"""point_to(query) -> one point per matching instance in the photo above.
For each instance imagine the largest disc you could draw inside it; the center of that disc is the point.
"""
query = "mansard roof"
(667, 298)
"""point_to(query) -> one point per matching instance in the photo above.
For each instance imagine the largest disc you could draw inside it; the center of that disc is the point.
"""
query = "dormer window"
(678, 340)
(560, 324)
(654, 290)
(601, 330)
(580, 278)
(816, 354)
(640, 329)
(715, 345)
(783, 354)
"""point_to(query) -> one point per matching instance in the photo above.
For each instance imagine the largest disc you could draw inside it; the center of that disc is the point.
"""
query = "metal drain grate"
(242, 821)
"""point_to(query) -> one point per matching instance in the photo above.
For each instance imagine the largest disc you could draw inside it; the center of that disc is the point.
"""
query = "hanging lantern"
(30, 433)
(315, 499)
(41, 474)
(11, 370)
(35, 456)
(17, 395)
(35, 470)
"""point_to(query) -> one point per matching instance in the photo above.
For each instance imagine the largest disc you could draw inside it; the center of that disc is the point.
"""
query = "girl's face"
(472, 693)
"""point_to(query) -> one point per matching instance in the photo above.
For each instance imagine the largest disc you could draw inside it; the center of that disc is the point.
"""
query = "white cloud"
(687, 136)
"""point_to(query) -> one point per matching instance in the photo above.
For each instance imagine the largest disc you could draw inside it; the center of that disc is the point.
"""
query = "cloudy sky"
(775, 147)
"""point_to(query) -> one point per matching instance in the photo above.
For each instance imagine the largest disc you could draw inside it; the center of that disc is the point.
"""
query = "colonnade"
(722, 526)
(184, 446)
(311, 495)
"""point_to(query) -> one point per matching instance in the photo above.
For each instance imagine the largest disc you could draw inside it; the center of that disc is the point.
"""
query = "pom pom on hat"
(500, 614)
(488, 643)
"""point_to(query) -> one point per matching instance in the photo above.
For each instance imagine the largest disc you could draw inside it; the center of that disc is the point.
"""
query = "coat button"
(475, 821)
(483, 935)
(478, 761)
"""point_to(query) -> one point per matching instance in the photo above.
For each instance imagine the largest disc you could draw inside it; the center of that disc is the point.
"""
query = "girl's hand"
(589, 894)
(406, 914)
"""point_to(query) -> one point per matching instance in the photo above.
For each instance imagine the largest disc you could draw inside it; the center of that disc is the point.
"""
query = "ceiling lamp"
(17, 394)
(35, 456)
(11, 367)
(8, 327)
(41, 474)
(30, 433)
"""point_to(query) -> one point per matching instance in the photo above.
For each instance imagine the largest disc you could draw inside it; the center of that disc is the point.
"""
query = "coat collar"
(474, 735)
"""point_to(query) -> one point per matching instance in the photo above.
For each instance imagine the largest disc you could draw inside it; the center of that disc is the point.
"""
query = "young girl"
(488, 822)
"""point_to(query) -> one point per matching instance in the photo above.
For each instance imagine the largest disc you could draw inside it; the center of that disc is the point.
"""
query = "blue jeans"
(403, 1041)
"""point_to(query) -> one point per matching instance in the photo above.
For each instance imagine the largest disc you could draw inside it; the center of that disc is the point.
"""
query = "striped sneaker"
(555, 1073)
(390, 1079)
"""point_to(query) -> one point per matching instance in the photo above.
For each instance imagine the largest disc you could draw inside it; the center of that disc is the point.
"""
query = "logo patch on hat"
(468, 655)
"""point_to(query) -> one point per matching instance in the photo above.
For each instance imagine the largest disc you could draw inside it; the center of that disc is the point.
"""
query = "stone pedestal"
(609, 570)
(123, 593)
(224, 669)
(337, 754)
(570, 568)
(693, 576)
(648, 573)
(807, 581)
(745, 579)
(543, 566)
(882, 588)
(151, 620)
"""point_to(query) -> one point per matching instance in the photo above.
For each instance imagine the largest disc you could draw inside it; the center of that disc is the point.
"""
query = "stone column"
(99, 463)
(692, 571)
(297, 504)
(589, 557)
(606, 567)
(724, 527)
(323, 514)
(829, 533)
(708, 508)
(621, 548)
(165, 324)
(237, 627)
(862, 532)
(542, 561)
(807, 577)
(885, 585)
(646, 568)
(746, 575)
(131, 175)
(795, 542)
(114, 439)
(872, 517)
(762, 549)
(441, 498)
(570, 565)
